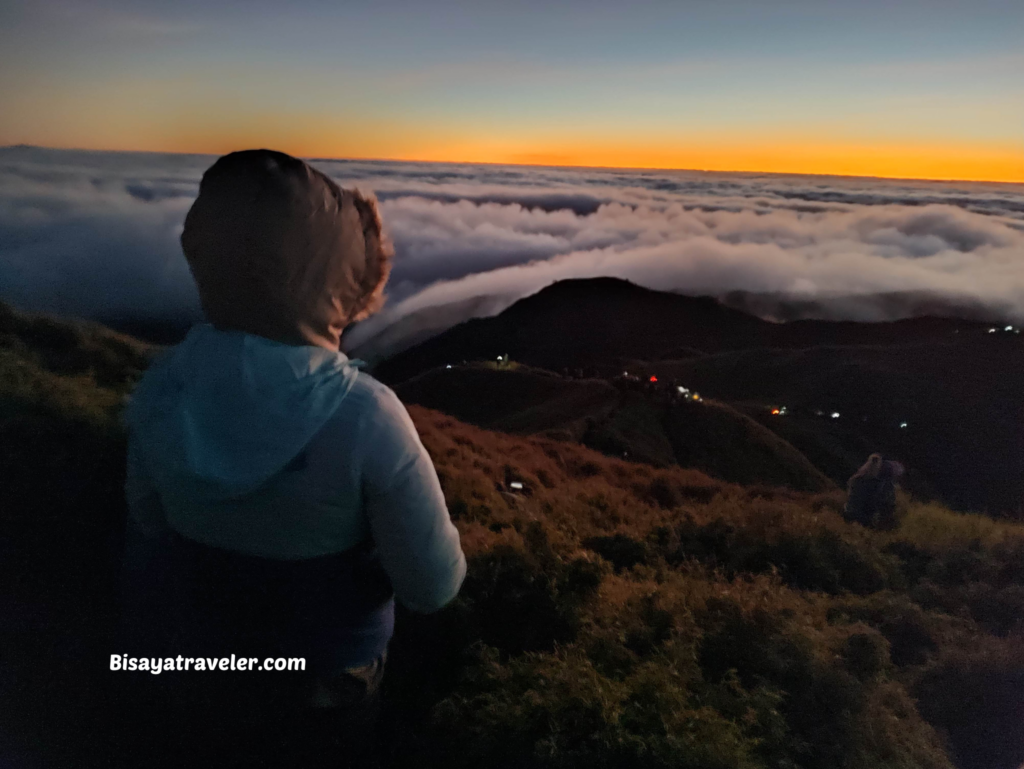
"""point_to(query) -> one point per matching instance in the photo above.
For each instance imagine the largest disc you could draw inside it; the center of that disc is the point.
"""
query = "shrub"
(622, 551)
(825, 561)
(820, 560)
(557, 711)
(866, 655)
(655, 627)
(914, 561)
(669, 493)
(514, 602)
(822, 704)
(664, 493)
(912, 633)
(999, 610)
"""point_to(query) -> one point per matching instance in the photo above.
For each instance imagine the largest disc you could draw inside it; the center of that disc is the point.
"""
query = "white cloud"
(96, 234)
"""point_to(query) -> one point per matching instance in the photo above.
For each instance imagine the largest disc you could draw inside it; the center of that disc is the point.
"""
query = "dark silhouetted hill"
(417, 327)
(598, 323)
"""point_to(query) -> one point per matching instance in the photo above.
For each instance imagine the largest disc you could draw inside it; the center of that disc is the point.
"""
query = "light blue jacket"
(287, 452)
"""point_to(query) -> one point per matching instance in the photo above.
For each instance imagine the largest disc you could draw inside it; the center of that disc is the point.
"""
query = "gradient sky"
(904, 88)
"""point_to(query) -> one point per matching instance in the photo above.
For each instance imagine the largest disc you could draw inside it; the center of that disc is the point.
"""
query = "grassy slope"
(614, 614)
(523, 400)
(624, 615)
(962, 403)
(62, 385)
(650, 427)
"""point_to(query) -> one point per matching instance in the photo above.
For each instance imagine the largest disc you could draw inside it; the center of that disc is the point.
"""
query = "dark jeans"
(191, 600)
(333, 723)
(872, 503)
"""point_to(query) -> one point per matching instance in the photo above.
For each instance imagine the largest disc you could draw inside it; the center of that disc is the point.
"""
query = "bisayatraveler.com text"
(157, 665)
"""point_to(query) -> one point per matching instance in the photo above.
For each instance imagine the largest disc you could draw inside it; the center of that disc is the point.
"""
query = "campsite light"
(654, 378)
(835, 415)
(776, 412)
(1009, 328)
(449, 365)
(684, 390)
(903, 425)
(516, 485)
(993, 330)
(696, 397)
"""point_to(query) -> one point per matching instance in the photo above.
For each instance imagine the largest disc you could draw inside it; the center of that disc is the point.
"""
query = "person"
(280, 499)
(871, 499)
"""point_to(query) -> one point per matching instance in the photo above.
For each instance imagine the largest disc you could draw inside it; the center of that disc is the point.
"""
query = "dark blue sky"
(923, 88)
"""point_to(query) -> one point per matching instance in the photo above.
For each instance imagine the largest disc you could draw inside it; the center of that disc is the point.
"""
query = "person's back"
(277, 494)
(871, 499)
(886, 502)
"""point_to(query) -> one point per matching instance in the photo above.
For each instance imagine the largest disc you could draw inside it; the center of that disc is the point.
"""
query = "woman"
(277, 494)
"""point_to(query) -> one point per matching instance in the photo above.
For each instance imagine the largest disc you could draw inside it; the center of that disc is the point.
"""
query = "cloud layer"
(96, 235)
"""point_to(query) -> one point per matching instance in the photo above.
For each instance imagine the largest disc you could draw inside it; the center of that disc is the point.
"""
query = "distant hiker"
(871, 500)
(280, 499)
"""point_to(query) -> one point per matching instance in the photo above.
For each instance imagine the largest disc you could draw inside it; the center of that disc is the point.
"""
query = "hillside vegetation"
(62, 386)
(958, 385)
(620, 419)
(963, 405)
(621, 615)
(615, 614)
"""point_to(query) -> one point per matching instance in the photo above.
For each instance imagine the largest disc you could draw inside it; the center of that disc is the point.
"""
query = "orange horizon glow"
(955, 163)
(887, 162)
(782, 149)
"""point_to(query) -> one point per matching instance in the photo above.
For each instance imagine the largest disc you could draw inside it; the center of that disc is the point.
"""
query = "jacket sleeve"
(416, 541)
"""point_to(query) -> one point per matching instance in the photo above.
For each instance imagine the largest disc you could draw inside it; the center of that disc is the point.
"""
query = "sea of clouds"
(96, 235)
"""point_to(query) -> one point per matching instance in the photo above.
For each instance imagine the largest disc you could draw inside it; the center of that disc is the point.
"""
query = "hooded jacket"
(273, 463)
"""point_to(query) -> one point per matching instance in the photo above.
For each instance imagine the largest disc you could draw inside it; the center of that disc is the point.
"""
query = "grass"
(615, 614)
(651, 426)
(730, 626)
(936, 528)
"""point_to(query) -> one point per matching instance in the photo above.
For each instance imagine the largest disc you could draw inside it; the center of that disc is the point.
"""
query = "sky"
(96, 235)
(928, 89)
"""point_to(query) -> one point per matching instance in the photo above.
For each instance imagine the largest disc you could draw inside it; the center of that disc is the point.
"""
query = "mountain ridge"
(599, 319)
(944, 395)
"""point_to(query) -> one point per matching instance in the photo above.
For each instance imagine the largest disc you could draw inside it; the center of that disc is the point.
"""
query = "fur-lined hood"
(279, 250)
